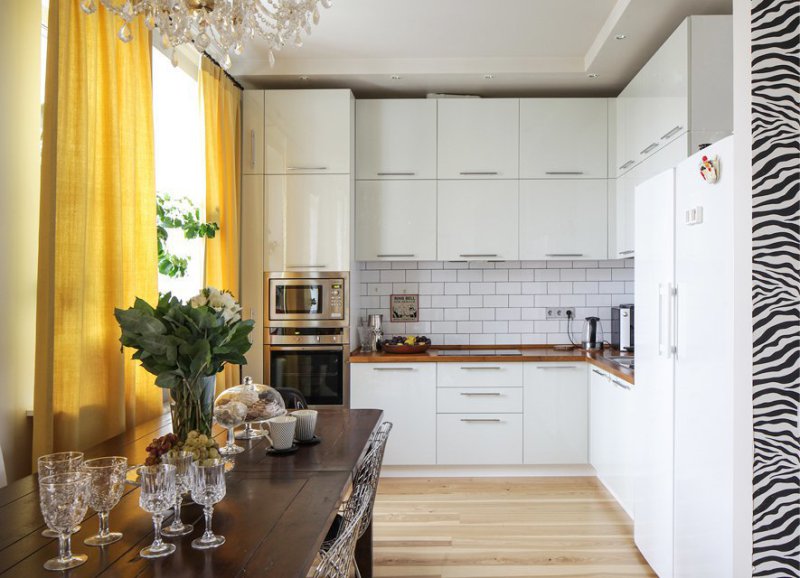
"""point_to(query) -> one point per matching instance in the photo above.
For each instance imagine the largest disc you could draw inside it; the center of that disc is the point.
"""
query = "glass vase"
(192, 406)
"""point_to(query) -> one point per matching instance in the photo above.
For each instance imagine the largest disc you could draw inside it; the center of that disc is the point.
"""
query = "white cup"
(281, 431)
(306, 423)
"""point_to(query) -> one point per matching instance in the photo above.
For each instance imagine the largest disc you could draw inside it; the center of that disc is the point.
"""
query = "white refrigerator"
(684, 367)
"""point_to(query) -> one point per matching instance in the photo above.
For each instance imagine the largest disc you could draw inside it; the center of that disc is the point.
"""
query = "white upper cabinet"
(307, 223)
(396, 139)
(253, 132)
(396, 220)
(477, 220)
(478, 138)
(562, 219)
(563, 138)
(308, 131)
(686, 86)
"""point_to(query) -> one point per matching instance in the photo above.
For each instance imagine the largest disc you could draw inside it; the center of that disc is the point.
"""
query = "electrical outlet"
(560, 312)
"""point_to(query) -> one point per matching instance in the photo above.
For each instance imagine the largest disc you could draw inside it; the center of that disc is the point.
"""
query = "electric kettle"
(590, 339)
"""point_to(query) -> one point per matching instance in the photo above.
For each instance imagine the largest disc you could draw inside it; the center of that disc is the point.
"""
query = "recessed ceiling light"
(488, 76)
(593, 75)
(396, 77)
(620, 37)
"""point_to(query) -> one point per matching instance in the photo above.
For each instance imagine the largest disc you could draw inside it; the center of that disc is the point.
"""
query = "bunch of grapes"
(202, 446)
(158, 447)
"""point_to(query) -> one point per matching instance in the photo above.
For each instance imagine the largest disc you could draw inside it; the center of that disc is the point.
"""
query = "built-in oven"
(313, 360)
(307, 335)
(302, 297)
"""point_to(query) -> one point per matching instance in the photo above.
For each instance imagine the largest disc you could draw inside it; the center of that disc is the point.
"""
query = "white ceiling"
(529, 47)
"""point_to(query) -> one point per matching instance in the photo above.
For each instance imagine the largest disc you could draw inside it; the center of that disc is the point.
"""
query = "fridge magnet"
(709, 169)
(404, 308)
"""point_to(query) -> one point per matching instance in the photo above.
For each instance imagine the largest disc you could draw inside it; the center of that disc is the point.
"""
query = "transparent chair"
(365, 487)
(338, 559)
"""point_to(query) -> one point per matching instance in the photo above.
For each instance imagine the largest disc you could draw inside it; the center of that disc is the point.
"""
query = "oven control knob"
(335, 292)
(317, 338)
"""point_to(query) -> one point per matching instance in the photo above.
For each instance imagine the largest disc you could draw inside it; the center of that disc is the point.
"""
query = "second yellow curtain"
(97, 229)
(221, 101)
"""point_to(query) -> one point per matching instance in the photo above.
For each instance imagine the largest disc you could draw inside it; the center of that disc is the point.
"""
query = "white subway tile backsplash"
(495, 300)
(468, 275)
(502, 303)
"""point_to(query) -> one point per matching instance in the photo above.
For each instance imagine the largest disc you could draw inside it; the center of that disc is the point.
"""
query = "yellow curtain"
(221, 100)
(97, 239)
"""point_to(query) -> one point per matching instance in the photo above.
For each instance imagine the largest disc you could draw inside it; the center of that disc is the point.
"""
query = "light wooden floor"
(502, 527)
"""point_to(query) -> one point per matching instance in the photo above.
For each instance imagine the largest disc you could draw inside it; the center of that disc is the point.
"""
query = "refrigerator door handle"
(673, 341)
(660, 320)
(669, 321)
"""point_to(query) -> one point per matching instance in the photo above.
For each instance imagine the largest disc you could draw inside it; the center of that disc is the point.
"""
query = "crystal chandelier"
(218, 26)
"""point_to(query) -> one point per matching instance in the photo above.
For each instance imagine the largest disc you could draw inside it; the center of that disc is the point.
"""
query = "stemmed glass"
(107, 477)
(182, 462)
(208, 488)
(64, 499)
(157, 495)
(59, 463)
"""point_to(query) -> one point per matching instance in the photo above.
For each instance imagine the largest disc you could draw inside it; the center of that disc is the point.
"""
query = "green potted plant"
(185, 345)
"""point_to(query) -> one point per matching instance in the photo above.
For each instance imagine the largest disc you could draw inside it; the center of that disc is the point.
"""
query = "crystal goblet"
(182, 462)
(64, 499)
(208, 488)
(59, 463)
(107, 486)
(156, 497)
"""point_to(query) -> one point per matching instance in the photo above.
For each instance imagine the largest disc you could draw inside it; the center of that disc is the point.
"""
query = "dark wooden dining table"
(274, 517)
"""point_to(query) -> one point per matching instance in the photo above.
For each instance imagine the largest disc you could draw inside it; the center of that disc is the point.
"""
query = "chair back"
(337, 561)
(369, 472)
(293, 398)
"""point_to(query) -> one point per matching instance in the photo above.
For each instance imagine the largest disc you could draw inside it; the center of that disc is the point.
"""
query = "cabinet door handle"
(620, 384)
(398, 174)
(483, 368)
(476, 420)
(392, 369)
(473, 173)
(673, 131)
(563, 172)
(480, 393)
(628, 252)
(556, 367)
(473, 255)
(564, 255)
(252, 148)
(306, 168)
(626, 165)
(387, 255)
(673, 345)
(648, 148)
(306, 266)
(600, 373)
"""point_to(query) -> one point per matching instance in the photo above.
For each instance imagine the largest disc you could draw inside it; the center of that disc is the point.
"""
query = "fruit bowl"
(406, 345)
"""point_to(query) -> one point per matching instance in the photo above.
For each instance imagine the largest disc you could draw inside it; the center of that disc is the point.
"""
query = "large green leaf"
(168, 379)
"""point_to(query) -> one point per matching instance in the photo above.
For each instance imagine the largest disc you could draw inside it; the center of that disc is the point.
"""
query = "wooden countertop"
(535, 353)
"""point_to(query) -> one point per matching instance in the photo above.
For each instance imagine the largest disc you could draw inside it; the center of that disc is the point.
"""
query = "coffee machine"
(622, 327)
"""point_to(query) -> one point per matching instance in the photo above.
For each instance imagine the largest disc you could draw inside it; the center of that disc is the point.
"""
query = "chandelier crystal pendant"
(218, 26)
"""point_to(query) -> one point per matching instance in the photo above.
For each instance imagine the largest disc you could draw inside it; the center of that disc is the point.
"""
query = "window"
(180, 159)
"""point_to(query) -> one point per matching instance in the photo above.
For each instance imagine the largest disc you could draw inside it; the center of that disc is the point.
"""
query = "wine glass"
(107, 477)
(208, 488)
(182, 462)
(59, 463)
(157, 495)
(64, 499)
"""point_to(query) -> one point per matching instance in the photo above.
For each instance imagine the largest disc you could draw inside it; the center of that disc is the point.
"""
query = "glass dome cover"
(248, 403)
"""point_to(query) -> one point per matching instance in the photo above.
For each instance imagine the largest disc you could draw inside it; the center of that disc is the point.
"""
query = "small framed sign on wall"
(404, 308)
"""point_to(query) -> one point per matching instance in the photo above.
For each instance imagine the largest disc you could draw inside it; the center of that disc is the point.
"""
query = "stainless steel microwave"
(299, 299)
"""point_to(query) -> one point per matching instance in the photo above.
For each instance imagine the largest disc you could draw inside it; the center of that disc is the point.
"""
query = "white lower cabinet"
(556, 413)
(612, 435)
(479, 439)
(406, 392)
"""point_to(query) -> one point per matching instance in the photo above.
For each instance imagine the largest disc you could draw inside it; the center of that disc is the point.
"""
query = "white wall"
(504, 303)
(20, 32)
(743, 334)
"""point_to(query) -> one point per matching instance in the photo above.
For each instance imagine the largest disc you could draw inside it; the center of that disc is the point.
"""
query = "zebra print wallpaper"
(775, 66)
